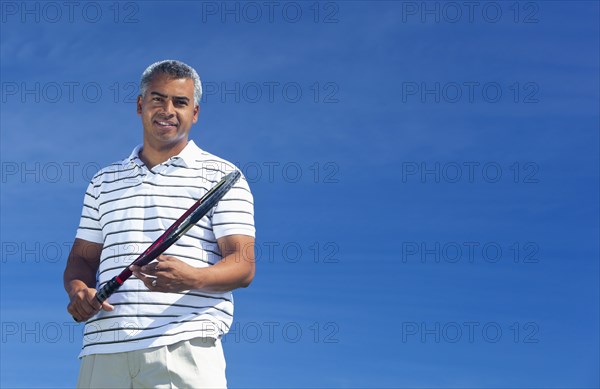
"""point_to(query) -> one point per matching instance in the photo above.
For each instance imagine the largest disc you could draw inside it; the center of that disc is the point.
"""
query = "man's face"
(168, 111)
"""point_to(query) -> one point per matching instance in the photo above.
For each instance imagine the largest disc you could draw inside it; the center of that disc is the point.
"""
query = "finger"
(106, 306)
(143, 270)
(93, 302)
(79, 305)
(79, 315)
(159, 287)
(150, 269)
(163, 260)
(166, 258)
(86, 308)
(73, 311)
(136, 270)
(76, 317)
(145, 279)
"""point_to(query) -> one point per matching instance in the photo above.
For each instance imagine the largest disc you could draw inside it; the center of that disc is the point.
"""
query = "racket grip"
(109, 288)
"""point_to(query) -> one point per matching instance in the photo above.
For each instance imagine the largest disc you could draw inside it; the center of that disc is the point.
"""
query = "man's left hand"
(167, 274)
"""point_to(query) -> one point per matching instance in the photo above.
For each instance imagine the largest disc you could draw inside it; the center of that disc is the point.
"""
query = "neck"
(152, 156)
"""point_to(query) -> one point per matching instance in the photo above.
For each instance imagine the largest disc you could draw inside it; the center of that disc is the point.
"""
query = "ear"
(196, 111)
(139, 104)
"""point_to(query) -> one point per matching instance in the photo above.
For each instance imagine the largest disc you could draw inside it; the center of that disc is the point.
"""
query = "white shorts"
(195, 363)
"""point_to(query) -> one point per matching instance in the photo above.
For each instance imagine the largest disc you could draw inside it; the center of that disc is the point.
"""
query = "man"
(162, 328)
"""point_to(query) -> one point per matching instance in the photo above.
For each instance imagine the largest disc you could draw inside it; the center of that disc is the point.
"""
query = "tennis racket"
(173, 233)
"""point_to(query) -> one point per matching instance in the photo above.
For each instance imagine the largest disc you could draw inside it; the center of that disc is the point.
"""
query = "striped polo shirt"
(126, 207)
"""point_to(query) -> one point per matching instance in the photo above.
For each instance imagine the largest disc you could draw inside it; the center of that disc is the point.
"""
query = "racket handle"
(109, 288)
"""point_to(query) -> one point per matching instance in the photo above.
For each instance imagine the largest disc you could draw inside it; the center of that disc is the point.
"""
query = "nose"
(168, 108)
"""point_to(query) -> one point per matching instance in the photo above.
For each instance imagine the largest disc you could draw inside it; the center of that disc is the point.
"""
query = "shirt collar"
(187, 155)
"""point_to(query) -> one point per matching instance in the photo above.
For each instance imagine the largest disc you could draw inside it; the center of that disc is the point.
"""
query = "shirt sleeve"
(234, 214)
(89, 224)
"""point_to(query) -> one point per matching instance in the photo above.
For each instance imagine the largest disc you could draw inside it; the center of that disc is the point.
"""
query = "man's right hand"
(83, 304)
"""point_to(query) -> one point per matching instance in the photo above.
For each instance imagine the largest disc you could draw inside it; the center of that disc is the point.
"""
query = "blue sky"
(426, 181)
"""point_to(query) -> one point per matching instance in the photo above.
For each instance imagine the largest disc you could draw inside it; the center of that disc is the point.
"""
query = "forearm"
(77, 278)
(230, 273)
(82, 266)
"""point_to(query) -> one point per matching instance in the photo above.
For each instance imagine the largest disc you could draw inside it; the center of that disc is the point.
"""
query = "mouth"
(165, 124)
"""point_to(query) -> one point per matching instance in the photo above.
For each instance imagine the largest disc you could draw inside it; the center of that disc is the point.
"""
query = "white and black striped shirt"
(126, 207)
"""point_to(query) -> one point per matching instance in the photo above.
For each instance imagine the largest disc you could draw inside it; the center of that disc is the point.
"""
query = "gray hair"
(174, 69)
